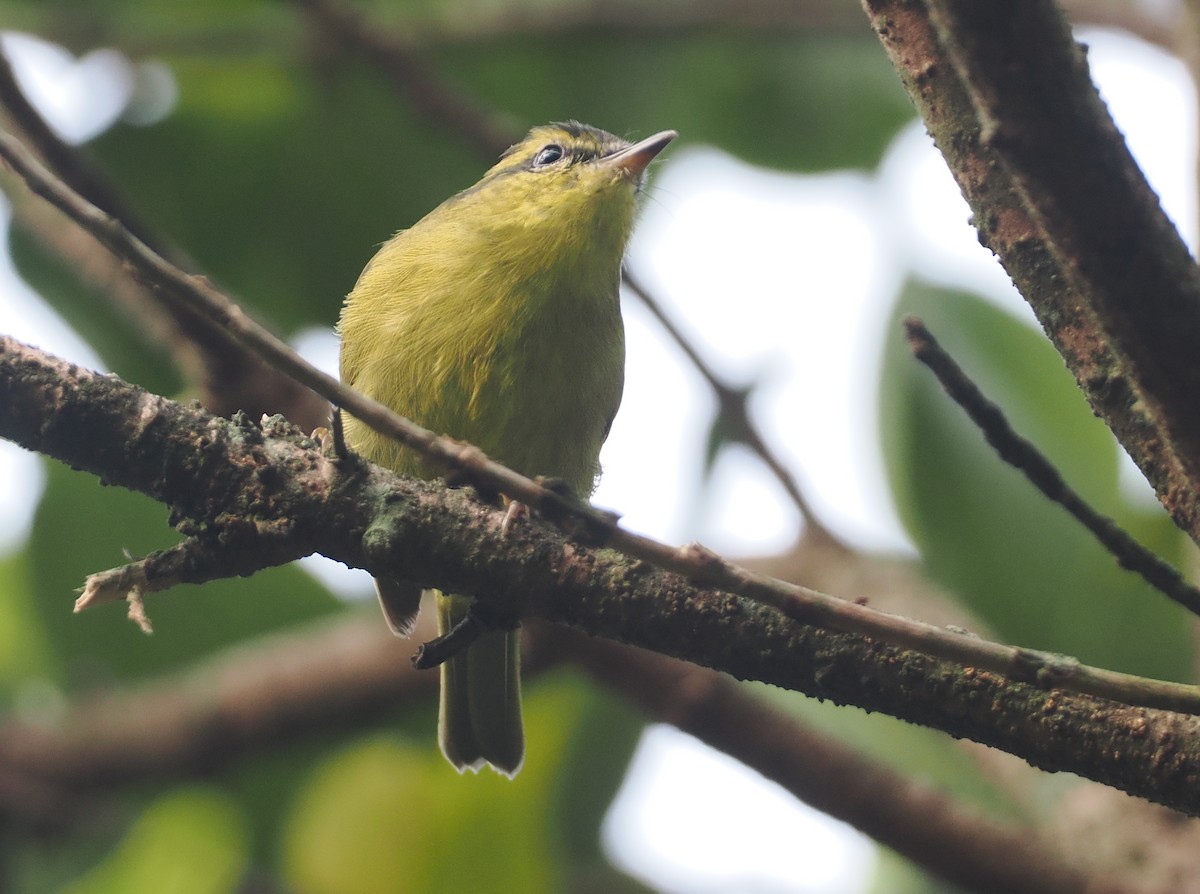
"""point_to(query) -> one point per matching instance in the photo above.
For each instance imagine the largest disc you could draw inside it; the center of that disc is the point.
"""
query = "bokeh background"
(799, 215)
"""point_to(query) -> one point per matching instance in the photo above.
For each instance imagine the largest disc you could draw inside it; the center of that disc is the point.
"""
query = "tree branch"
(1006, 95)
(484, 130)
(1041, 473)
(471, 466)
(241, 487)
(341, 675)
(912, 818)
(253, 543)
(348, 675)
(230, 377)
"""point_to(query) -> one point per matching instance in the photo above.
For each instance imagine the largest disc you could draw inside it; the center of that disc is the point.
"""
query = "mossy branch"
(248, 496)
(1006, 94)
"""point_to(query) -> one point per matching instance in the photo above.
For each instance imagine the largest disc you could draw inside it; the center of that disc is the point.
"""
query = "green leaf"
(189, 841)
(598, 734)
(748, 93)
(87, 307)
(82, 527)
(896, 875)
(380, 817)
(23, 647)
(1021, 563)
(388, 814)
(280, 182)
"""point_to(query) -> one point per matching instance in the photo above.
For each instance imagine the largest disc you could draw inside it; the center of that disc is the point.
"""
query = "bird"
(496, 320)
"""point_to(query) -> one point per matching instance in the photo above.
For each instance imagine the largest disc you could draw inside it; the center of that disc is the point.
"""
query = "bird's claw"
(515, 513)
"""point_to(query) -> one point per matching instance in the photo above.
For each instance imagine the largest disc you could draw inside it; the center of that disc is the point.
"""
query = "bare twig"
(193, 559)
(71, 166)
(1042, 474)
(484, 130)
(733, 403)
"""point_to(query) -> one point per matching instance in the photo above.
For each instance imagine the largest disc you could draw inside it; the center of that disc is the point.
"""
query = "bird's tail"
(400, 601)
(479, 720)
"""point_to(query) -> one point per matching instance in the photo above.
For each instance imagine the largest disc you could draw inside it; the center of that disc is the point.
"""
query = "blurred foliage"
(101, 648)
(1021, 563)
(279, 176)
(384, 815)
(23, 651)
(895, 875)
(282, 165)
(189, 841)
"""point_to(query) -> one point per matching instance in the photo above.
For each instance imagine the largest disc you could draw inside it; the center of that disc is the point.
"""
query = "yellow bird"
(496, 319)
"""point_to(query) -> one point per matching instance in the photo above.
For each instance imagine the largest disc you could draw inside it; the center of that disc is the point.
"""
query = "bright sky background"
(777, 278)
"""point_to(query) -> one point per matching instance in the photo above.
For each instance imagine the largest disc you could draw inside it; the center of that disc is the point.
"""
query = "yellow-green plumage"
(495, 319)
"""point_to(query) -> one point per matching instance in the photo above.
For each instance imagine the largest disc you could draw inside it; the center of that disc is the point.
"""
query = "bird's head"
(570, 154)
(567, 186)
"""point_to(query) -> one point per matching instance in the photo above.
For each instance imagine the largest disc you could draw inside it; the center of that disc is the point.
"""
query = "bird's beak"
(635, 158)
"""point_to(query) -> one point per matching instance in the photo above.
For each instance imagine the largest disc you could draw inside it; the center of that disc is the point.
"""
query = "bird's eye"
(548, 155)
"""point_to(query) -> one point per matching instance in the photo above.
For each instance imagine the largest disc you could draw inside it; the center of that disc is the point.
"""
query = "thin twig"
(485, 131)
(72, 167)
(694, 561)
(1089, 247)
(1022, 454)
(734, 410)
(231, 378)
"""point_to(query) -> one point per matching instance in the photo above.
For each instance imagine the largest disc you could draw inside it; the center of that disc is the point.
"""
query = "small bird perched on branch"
(496, 319)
